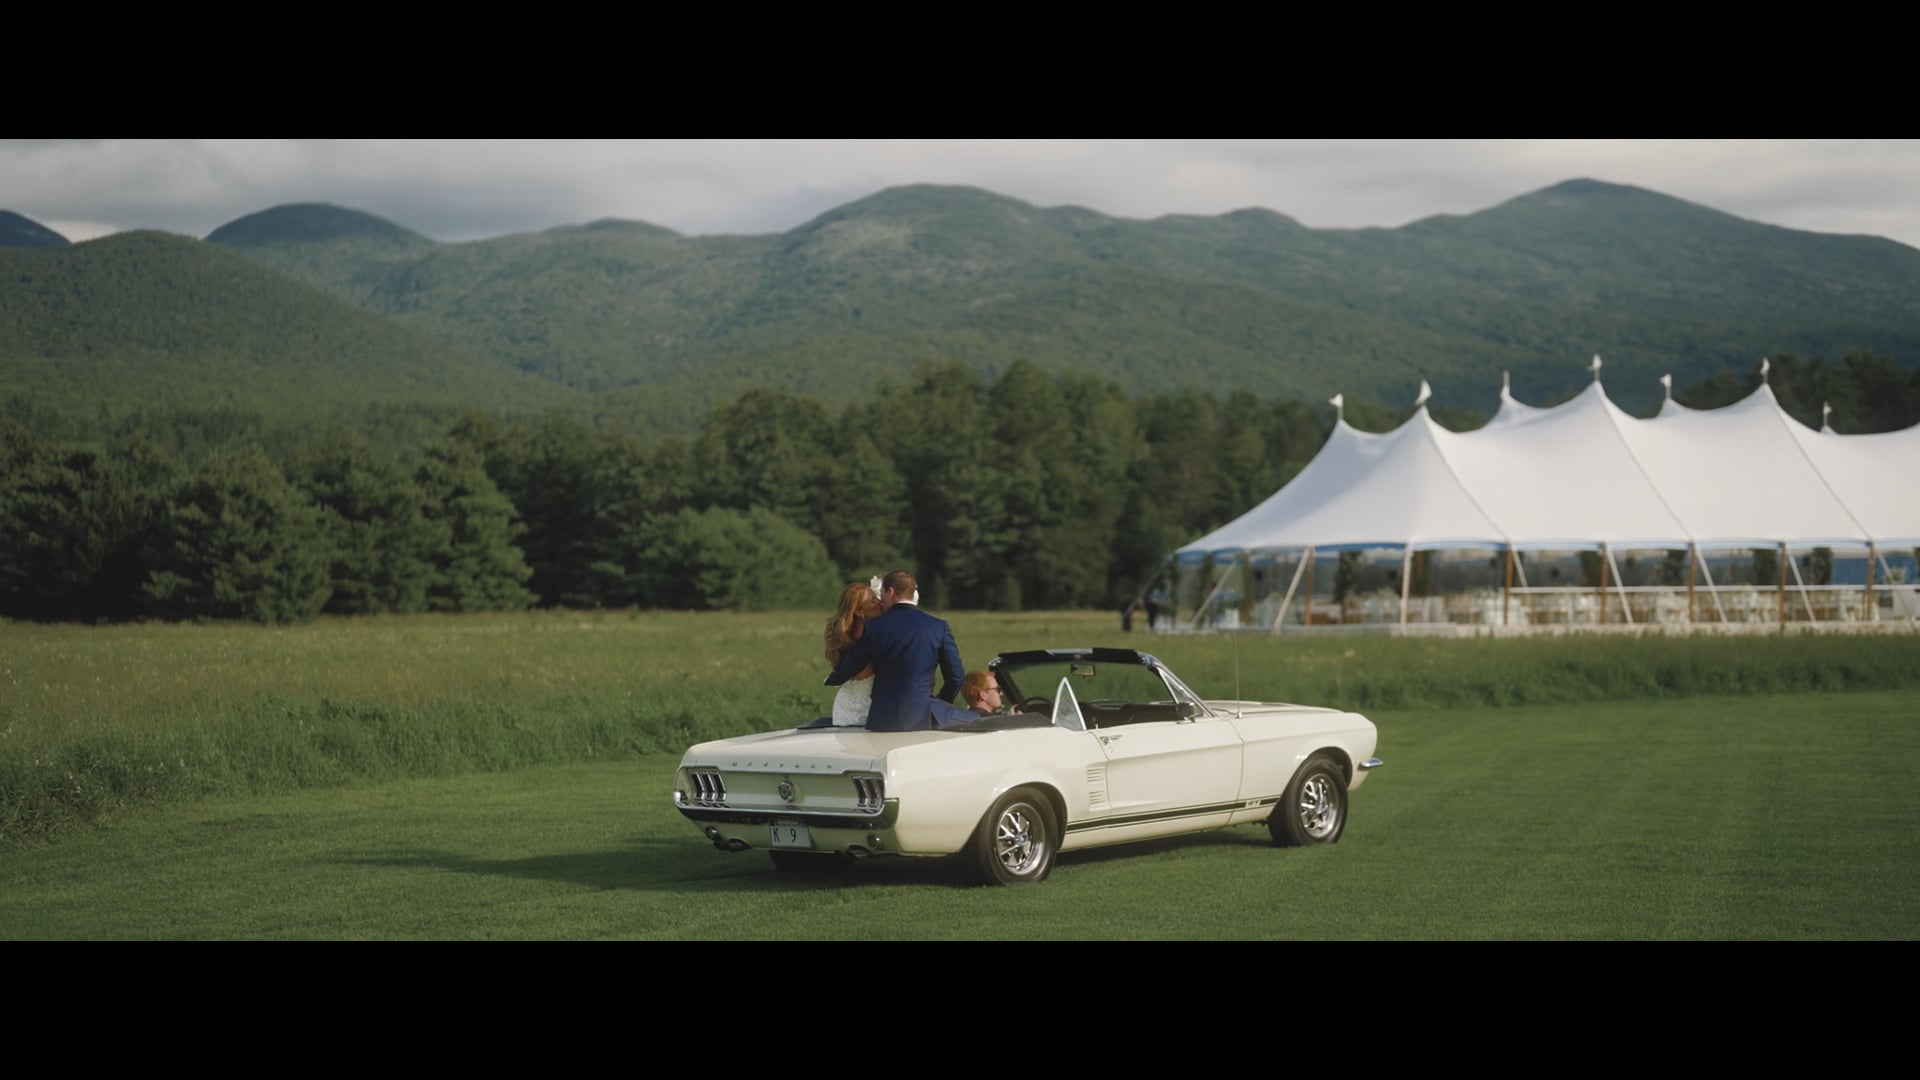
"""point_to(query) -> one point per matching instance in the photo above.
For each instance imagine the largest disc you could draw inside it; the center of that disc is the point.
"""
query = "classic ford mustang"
(1108, 746)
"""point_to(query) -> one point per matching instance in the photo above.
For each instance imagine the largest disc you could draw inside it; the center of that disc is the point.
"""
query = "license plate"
(791, 834)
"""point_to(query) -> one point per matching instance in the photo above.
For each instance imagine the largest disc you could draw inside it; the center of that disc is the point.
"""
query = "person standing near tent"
(1154, 600)
(1126, 614)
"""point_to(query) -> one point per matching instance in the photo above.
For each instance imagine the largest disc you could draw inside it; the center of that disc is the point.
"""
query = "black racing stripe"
(1121, 820)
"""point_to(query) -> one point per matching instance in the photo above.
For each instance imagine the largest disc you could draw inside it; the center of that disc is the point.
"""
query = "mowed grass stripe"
(1736, 818)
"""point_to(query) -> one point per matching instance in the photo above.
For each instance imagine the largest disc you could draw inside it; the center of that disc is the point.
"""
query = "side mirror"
(1189, 710)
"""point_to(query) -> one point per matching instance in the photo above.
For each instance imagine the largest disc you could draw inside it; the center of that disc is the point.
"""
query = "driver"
(983, 694)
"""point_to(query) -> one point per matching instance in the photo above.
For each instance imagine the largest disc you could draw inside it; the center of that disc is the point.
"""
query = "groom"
(905, 645)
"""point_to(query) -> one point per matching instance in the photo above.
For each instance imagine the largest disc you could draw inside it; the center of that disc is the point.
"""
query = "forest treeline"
(1024, 490)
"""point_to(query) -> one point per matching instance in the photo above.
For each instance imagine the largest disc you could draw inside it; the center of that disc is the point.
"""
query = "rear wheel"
(1314, 809)
(1017, 840)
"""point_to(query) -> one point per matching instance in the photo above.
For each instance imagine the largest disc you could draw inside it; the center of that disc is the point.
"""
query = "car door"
(1168, 776)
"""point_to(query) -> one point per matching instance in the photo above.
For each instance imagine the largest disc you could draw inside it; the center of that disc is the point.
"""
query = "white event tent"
(1586, 476)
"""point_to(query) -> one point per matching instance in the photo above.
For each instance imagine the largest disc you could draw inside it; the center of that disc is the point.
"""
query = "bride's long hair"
(857, 604)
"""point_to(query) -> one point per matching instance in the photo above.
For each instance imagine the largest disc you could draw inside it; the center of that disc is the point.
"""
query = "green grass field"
(508, 776)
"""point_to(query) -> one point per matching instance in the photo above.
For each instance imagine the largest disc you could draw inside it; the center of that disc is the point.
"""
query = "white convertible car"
(1109, 746)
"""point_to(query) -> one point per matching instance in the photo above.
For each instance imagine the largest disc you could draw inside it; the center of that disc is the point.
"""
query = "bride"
(859, 601)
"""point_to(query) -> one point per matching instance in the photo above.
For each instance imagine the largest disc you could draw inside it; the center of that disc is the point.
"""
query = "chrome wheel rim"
(1019, 839)
(1319, 806)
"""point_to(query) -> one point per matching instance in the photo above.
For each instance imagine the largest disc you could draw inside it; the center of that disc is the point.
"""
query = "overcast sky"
(467, 189)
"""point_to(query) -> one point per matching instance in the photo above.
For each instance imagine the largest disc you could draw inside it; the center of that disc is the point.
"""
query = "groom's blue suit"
(904, 645)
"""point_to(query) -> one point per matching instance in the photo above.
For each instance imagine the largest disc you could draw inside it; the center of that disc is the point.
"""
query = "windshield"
(1094, 682)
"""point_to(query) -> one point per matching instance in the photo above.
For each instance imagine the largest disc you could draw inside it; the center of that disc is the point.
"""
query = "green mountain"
(17, 231)
(1248, 300)
(151, 321)
(309, 306)
(315, 222)
(352, 252)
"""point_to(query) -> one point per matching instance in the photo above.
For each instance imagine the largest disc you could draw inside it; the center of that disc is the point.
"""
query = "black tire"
(805, 862)
(1314, 809)
(1017, 840)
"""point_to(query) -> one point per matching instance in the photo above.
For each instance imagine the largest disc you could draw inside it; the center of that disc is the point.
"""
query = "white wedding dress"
(850, 705)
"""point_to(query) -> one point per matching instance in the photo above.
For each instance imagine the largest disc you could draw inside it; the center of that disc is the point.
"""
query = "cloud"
(464, 189)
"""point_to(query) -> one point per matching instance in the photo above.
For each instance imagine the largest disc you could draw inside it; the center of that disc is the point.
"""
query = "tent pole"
(1506, 597)
(1782, 604)
(1246, 594)
(1873, 613)
(1626, 602)
(1890, 583)
(1306, 611)
(1200, 609)
(1693, 553)
(1706, 574)
(1287, 601)
(1605, 558)
(1805, 600)
(1406, 580)
(1207, 604)
(1170, 580)
(1889, 571)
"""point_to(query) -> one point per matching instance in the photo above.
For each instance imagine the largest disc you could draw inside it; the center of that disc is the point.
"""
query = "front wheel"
(1314, 809)
(1016, 841)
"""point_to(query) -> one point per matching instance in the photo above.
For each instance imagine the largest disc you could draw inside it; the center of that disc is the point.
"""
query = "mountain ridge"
(669, 324)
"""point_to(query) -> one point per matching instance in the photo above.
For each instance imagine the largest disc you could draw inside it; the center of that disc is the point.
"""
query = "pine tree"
(478, 568)
(385, 542)
(238, 541)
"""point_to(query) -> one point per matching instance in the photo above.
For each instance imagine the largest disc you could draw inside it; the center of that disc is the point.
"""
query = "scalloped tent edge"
(1586, 476)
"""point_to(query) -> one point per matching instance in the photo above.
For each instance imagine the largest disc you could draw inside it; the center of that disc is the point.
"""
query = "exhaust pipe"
(724, 844)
